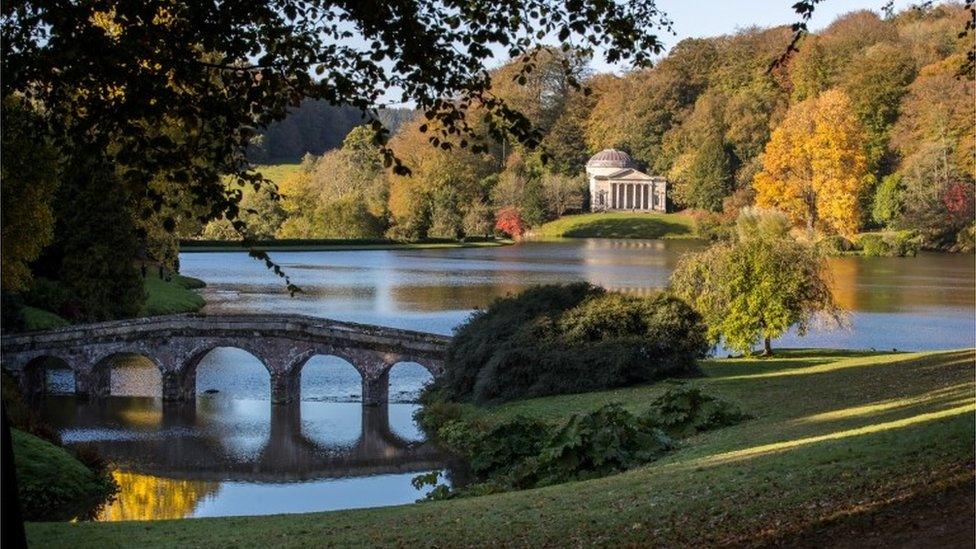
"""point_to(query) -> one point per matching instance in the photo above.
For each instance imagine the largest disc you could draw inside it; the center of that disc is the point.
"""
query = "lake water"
(232, 453)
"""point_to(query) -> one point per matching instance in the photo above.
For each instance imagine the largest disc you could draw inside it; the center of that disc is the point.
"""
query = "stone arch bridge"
(177, 343)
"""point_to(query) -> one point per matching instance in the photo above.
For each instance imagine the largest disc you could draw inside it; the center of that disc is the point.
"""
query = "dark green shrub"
(684, 411)
(597, 444)
(874, 245)
(567, 339)
(905, 243)
(53, 296)
(836, 244)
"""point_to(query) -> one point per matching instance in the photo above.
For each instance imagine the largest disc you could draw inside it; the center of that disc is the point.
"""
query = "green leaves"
(527, 453)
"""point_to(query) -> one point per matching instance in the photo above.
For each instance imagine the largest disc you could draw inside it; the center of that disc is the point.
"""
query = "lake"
(232, 453)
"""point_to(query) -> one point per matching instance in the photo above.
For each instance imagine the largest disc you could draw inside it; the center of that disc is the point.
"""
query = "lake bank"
(839, 443)
(333, 244)
(177, 294)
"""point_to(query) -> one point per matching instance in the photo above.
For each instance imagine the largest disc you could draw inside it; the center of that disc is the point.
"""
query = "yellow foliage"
(815, 168)
(147, 497)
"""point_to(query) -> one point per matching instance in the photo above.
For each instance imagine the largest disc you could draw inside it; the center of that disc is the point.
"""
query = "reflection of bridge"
(187, 450)
(177, 343)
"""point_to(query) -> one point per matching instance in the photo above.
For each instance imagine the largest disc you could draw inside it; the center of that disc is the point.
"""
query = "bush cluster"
(892, 244)
(527, 453)
(568, 339)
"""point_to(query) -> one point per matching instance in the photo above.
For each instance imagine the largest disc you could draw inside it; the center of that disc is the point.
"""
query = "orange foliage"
(815, 167)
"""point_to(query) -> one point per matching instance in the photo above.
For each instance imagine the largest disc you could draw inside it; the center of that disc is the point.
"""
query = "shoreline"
(335, 245)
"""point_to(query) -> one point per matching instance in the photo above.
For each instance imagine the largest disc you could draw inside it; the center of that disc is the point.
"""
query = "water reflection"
(171, 459)
(435, 290)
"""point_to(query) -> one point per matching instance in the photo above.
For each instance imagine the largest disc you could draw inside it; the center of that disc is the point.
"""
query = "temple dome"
(610, 158)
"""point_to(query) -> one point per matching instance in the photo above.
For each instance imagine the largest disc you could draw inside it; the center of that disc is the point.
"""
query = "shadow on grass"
(739, 370)
(635, 227)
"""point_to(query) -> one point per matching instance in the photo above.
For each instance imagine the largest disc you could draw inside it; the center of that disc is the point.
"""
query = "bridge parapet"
(177, 343)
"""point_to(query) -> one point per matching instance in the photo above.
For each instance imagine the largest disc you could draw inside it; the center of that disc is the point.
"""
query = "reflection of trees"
(145, 497)
(443, 297)
(844, 274)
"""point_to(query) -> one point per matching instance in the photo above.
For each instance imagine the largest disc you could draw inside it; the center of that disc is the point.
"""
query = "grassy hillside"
(840, 441)
(618, 225)
(174, 296)
(52, 484)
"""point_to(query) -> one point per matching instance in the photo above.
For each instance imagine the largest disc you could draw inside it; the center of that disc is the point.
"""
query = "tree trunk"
(767, 347)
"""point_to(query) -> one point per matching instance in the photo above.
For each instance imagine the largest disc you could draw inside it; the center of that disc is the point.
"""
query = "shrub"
(568, 339)
(874, 245)
(526, 453)
(53, 296)
(710, 225)
(966, 239)
(684, 411)
(836, 244)
(891, 244)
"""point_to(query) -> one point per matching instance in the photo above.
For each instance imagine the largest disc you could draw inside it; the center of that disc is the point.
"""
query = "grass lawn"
(173, 296)
(618, 225)
(838, 442)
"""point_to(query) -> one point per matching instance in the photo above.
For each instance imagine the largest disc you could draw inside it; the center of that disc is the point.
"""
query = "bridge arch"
(107, 375)
(216, 357)
(35, 375)
(337, 370)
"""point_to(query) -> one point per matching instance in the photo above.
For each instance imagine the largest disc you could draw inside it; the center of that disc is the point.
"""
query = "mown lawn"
(618, 225)
(837, 438)
(177, 295)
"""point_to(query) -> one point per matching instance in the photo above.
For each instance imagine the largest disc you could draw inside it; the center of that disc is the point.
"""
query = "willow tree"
(757, 287)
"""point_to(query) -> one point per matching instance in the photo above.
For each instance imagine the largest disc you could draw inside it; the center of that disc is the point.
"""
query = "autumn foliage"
(509, 221)
(815, 168)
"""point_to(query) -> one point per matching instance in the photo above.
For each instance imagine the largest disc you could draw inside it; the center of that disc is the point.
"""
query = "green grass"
(39, 319)
(618, 225)
(173, 296)
(52, 484)
(834, 435)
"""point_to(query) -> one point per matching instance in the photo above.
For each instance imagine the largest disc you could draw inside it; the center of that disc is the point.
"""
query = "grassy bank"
(53, 485)
(163, 297)
(336, 244)
(838, 440)
(618, 225)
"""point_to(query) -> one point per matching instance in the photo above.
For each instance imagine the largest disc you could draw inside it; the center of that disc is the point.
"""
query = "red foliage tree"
(509, 221)
(958, 201)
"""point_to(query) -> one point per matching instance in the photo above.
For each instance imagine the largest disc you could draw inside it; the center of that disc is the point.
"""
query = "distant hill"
(315, 127)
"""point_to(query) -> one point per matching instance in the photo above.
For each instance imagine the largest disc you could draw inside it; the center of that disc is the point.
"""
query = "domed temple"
(616, 184)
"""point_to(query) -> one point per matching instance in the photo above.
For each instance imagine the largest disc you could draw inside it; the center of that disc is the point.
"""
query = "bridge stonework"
(177, 343)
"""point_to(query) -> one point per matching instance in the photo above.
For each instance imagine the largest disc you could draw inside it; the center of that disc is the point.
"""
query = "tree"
(520, 186)
(934, 137)
(478, 219)
(875, 81)
(887, 205)
(756, 287)
(509, 221)
(95, 243)
(562, 192)
(815, 168)
(111, 74)
(28, 180)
